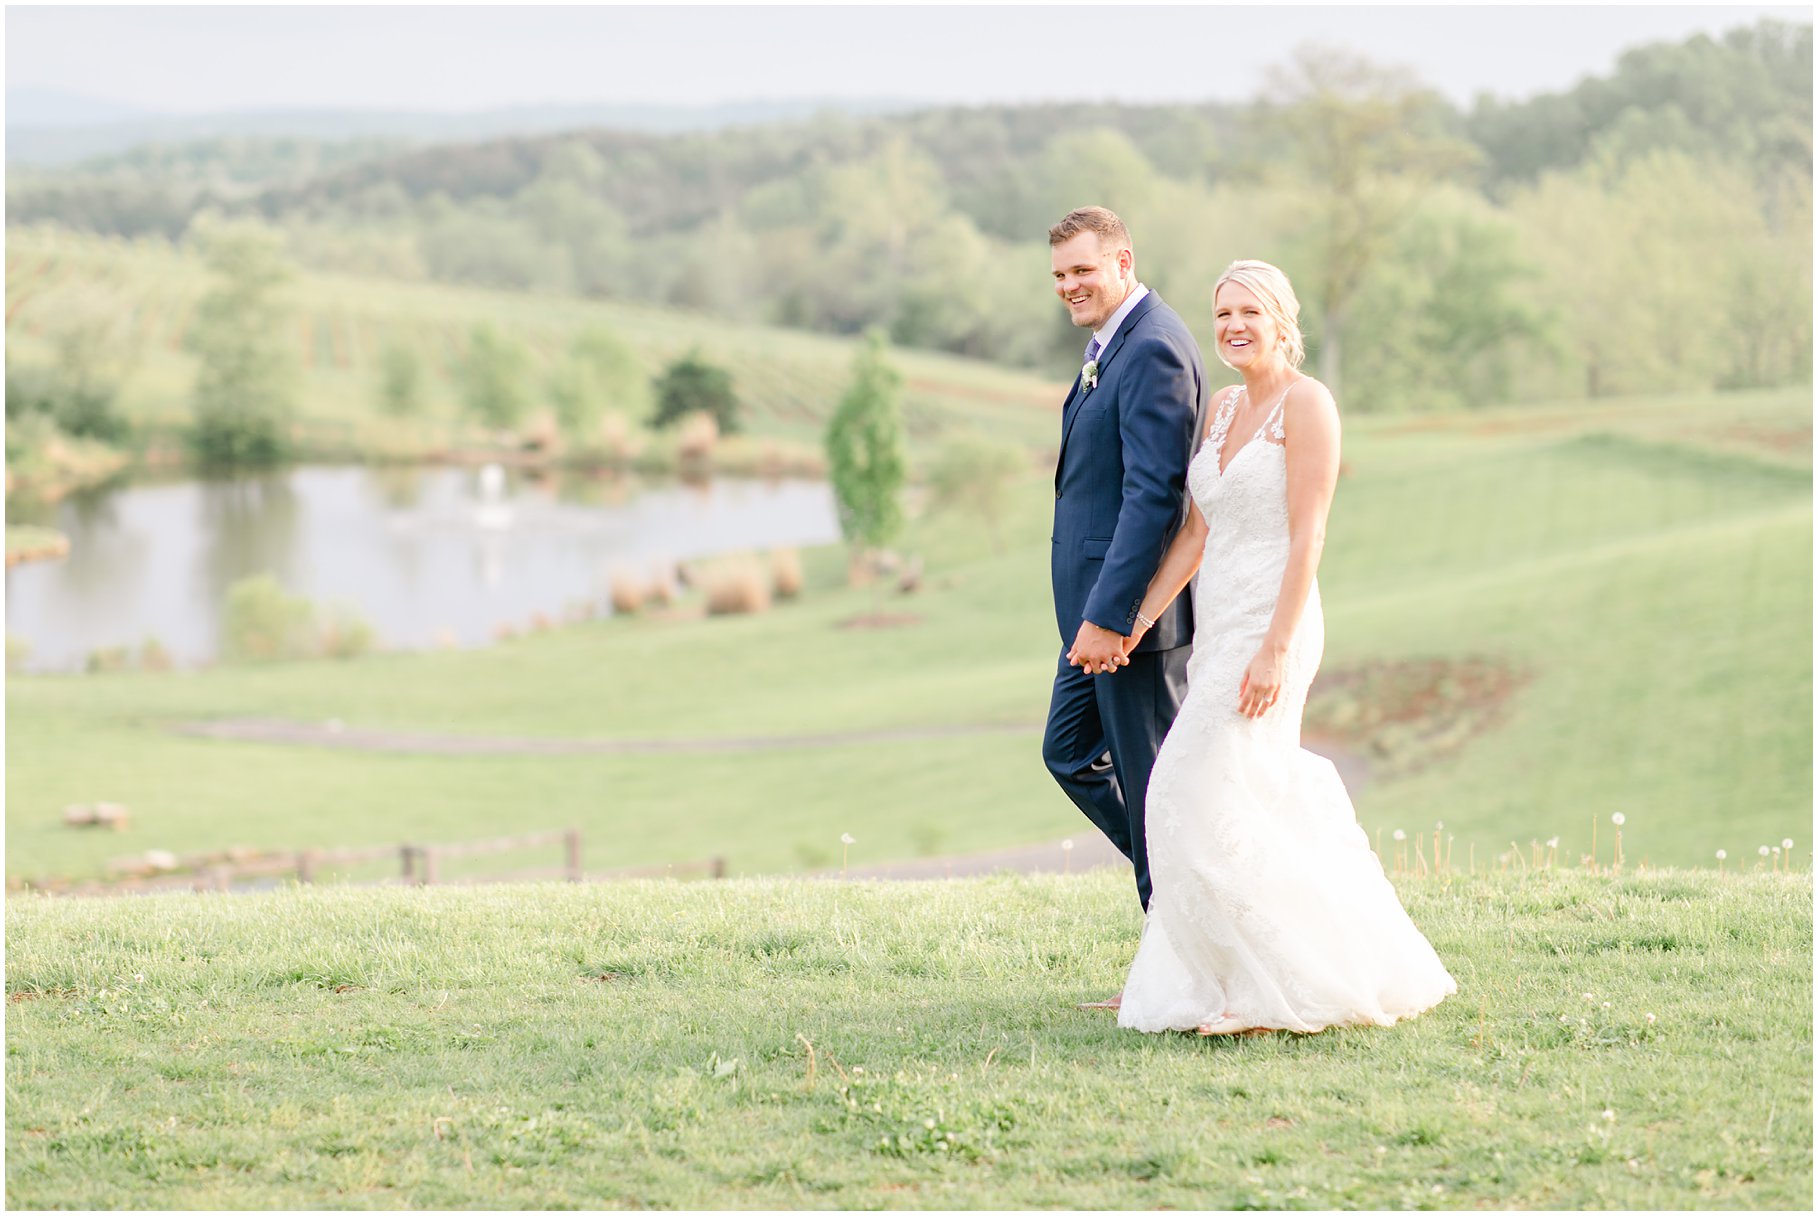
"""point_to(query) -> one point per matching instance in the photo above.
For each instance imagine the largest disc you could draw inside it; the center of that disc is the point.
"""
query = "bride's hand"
(1261, 685)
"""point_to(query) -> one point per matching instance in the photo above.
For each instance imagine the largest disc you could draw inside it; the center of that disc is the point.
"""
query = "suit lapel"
(1071, 411)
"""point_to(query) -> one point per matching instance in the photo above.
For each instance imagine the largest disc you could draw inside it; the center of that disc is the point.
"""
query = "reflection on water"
(422, 554)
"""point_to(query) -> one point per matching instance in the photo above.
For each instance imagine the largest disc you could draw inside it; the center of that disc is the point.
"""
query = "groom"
(1128, 430)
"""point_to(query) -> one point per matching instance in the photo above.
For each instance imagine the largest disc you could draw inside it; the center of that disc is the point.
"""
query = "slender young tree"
(865, 453)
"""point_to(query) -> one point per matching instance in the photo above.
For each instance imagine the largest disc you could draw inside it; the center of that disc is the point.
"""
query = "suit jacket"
(1120, 486)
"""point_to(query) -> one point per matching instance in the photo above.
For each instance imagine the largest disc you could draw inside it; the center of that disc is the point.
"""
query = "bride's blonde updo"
(1271, 287)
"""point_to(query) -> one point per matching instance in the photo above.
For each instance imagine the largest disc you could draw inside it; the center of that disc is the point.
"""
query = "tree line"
(1445, 256)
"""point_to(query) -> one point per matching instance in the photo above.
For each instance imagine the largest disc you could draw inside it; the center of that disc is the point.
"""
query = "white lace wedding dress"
(1269, 907)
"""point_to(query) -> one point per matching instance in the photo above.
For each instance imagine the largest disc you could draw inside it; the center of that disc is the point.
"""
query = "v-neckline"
(1224, 465)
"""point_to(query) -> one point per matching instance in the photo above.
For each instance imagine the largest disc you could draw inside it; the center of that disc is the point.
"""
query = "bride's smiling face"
(1247, 334)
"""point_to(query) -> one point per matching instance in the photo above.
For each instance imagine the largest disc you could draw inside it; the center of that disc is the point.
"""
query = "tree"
(495, 377)
(691, 385)
(246, 385)
(971, 474)
(400, 381)
(865, 450)
(598, 373)
(1368, 144)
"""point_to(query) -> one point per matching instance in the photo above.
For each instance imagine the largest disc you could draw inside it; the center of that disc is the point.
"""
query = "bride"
(1269, 911)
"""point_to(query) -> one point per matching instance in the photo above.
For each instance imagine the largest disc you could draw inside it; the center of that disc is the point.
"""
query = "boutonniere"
(1088, 375)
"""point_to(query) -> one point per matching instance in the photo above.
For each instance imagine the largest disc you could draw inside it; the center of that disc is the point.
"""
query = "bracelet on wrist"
(1144, 621)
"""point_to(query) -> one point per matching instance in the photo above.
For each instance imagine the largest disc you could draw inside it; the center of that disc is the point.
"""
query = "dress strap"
(1276, 426)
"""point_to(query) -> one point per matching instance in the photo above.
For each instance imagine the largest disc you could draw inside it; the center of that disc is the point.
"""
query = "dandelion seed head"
(1650, 1018)
(1722, 853)
(1400, 835)
(846, 838)
(1606, 1004)
(1589, 997)
(1439, 825)
(1553, 843)
(1763, 850)
(1067, 844)
(1787, 843)
(1618, 819)
(1609, 1116)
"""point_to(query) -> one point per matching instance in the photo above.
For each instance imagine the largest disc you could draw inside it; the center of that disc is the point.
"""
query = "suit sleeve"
(1155, 428)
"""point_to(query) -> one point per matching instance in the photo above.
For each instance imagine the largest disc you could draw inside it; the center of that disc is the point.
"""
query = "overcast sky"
(196, 59)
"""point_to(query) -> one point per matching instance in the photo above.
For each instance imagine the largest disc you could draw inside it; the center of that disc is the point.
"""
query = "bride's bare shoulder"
(1310, 398)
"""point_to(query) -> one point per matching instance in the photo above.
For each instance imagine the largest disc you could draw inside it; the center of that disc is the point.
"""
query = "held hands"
(1262, 683)
(1097, 651)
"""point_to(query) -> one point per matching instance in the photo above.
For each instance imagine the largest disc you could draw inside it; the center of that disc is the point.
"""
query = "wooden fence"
(419, 865)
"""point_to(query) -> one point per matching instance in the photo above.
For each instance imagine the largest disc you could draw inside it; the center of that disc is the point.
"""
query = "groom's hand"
(1097, 650)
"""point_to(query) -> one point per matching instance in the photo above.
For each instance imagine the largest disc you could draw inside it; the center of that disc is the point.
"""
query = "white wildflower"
(1722, 854)
(1787, 843)
(1400, 835)
(1618, 819)
(846, 838)
(1764, 850)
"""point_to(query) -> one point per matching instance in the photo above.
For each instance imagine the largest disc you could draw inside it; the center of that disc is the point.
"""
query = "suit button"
(1057, 496)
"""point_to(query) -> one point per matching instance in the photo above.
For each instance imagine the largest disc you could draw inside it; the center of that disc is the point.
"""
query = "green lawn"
(1634, 1043)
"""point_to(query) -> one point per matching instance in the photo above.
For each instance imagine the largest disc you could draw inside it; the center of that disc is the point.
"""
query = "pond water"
(426, 556)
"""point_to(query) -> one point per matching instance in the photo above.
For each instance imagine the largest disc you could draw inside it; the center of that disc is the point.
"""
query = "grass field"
(1642, 569)
(1636, 1043)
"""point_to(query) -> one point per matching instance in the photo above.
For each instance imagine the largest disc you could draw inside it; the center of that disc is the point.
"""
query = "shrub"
(344, 634)
(153, 656)
(691, 385)
(107, 658)
(262, 622)
(495, 377)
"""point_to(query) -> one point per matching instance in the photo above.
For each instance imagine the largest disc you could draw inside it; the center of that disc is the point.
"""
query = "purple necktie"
(1091, 350)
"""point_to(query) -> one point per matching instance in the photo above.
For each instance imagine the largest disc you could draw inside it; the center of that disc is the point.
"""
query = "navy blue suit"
(1120, 494)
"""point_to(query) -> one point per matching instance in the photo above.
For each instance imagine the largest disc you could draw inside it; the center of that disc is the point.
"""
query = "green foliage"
(692, 385)
(1746, 97)
(1368, 144)
(495, 377)
(400, 381)
(263, 622)
(246, 381)
(971, 475)
(598, 373)
(865, 458)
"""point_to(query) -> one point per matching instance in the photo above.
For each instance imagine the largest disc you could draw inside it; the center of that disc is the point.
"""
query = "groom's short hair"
(1111, 231)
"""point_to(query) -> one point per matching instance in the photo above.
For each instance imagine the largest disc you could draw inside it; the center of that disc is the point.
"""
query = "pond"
(427, 556)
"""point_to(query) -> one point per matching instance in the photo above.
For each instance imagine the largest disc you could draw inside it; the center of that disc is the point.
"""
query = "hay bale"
(629, 591)
(735, 585)
(786, 573)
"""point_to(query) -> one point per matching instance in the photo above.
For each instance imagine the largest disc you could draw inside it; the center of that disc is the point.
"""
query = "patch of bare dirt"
(1404, 715)
(880, 620)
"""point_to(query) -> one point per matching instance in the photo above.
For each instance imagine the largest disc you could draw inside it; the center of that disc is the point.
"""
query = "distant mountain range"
(49, 129)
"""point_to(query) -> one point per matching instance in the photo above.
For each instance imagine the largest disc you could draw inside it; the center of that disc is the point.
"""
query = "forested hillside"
(1556, 247)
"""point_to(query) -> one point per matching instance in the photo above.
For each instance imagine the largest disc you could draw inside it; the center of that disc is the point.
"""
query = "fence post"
(408, 852)
(428, 853)
(306, 866)
(571, 840)
(717, 867)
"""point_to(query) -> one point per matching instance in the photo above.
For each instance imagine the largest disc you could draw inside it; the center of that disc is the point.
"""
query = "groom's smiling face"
(1090, 279)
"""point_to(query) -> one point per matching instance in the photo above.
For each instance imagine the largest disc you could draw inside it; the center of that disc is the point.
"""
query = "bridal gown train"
(1269, 907)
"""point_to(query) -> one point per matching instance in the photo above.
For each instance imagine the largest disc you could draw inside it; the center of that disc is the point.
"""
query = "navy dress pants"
(1103, 733)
